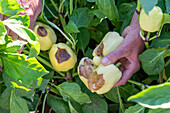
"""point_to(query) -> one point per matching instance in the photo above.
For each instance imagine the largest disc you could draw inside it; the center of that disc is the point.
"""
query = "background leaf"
(152, 61)
(24, 19)
(167, 2)
(125, 92)
(98, 105)
(17, 104)
(2, 33)
(5, 99)
(148, 5)
(71, 27)
(83, 39)
(162, 41)
(10, 7)
(71, 91)
(80, 17)
(157, 96)
(23, 32)
(135, 109)
(20, 68)
(109, 8)
(57, 104)
(126, 11)
(159, 110)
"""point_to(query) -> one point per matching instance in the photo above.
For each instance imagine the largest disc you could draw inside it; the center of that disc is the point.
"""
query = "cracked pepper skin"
(104, 78)
(85, 68)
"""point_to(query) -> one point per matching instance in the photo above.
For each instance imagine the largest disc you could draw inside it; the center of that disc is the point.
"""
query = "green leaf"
(157, 96)
(167, 71)
(167, 53)
(161, 42)
(83, 39)
(112, 95)
(108, 8)
(71, 91)
(15, 85)
(98, 13)
(44, 85)
(4, 111)
(89, 53)
(23, 32)
(126, 11)
(75, 107)
(125, 92)
(167, 2)
(135, 109)
(22, 19)
(12, 47)
(159, 111)
(10, 7)
(166, 19)
(72, 110)
(5, 99)
(97, 33)
(57, 104)
(18, 67)
(98, 105)
(71, 27)
(91, 0)
(152, 61)
(17, 104)
(2, 33)
(3, 47)
(80, 17)
(161, 4)
(148, 5)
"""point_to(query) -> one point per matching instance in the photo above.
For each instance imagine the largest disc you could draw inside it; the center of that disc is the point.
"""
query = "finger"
(126, 31)
(113, 56)
(127, 74)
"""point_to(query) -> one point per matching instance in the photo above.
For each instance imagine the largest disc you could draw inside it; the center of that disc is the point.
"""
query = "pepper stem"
(118, 64)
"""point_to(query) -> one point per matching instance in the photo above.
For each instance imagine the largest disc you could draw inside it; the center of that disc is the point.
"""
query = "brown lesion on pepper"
(99, 50)
(86, 69)
(41, 31)
(95, 81)
(62, 55)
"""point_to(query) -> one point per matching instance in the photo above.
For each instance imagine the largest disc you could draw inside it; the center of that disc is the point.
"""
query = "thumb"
(112, 57)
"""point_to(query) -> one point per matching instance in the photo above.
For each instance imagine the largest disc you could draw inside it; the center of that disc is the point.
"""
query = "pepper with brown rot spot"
(104, 78)
(62, 57)
(85, 68)
(45, 34)
(110, 42)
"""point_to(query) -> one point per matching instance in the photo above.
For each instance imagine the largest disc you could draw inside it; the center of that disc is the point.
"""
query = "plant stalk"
(45, 97)
(38, 103)
(120, 101)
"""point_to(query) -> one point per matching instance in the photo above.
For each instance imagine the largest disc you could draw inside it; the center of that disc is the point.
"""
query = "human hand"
(33, 9)
(128, 52)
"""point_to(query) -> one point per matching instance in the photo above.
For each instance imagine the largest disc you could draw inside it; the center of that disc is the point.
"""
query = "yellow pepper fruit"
(45, 34)
(104, 78)
(62, 57)
(109, 43)
(152, 21)
(85, 68)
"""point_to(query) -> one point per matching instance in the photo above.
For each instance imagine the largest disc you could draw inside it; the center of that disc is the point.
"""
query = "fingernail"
(105, 61)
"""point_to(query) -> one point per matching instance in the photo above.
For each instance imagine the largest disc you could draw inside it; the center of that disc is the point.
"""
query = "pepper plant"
(29, 82)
